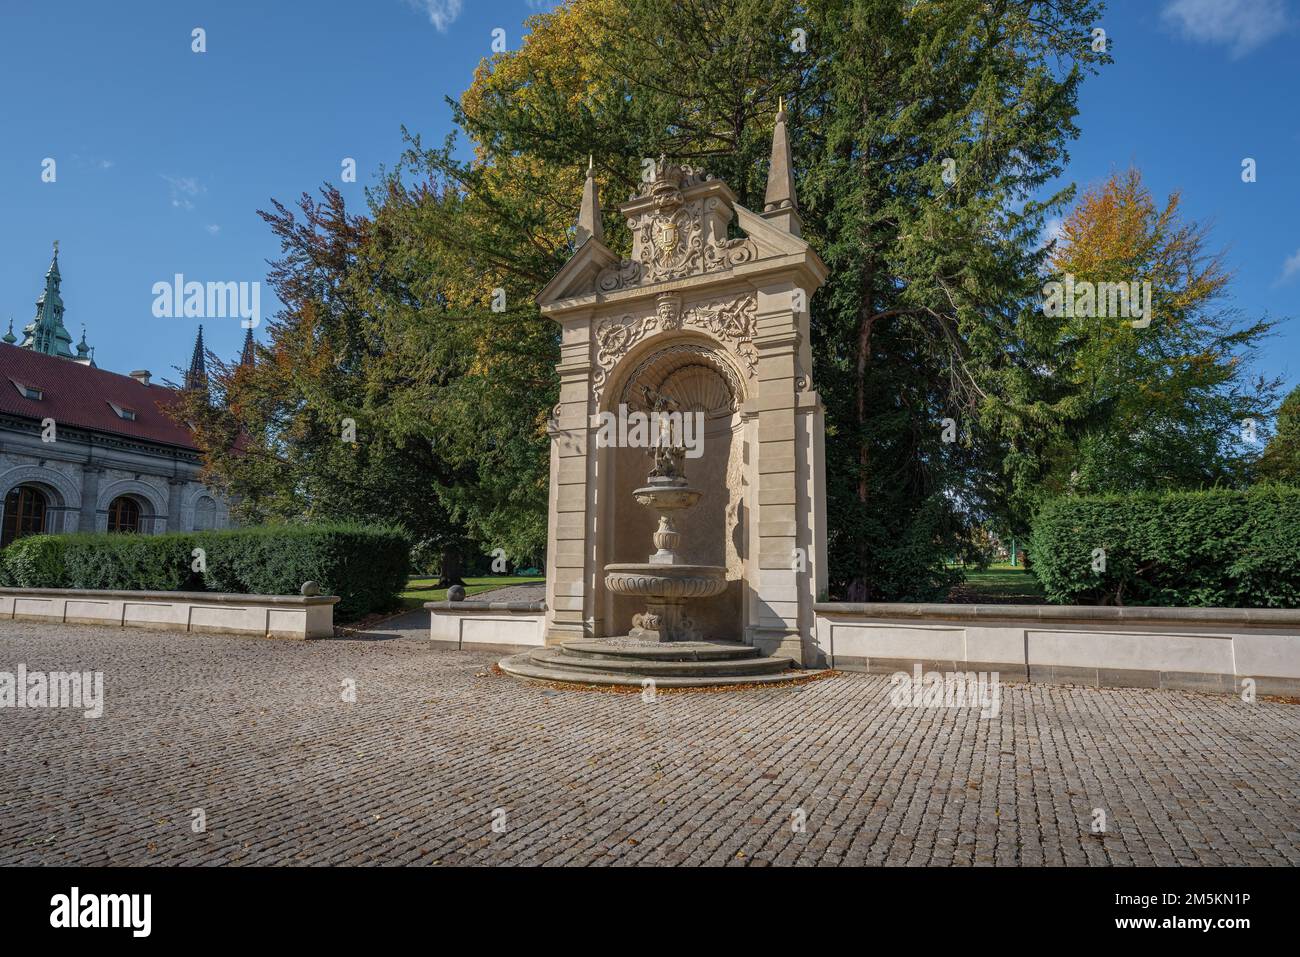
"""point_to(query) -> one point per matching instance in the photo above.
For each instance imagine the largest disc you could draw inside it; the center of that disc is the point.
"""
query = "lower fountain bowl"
(666, 582)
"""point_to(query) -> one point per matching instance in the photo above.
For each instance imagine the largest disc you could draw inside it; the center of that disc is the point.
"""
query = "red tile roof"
(79, 396)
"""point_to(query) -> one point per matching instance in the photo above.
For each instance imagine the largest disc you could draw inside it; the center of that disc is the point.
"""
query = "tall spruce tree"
(936, 129)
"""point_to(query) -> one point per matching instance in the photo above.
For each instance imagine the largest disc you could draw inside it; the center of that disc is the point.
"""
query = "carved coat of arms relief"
(671, 237)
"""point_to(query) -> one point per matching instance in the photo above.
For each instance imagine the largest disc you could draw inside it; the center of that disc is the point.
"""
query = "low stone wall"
(494, 625)
(270, 616)
(1197, 649)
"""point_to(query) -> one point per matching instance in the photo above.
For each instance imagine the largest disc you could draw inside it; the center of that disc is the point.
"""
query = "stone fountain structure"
(664, 643)
(708, 316)
(666, 582)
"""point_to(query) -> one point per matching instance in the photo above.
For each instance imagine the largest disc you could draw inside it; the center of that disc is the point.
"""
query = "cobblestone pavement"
(256, 734)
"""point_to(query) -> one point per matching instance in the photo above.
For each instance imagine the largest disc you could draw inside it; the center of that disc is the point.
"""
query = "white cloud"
(1052, 230)
(95, 161)
(1240, 25)
(183, 189)
(212, 228)
(1291, 268)
(442, 13)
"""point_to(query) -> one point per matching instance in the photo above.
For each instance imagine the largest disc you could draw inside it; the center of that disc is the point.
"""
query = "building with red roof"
(85, 449)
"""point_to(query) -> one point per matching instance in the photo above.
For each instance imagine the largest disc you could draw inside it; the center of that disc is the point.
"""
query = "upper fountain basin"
(666, 581)
(665, 497)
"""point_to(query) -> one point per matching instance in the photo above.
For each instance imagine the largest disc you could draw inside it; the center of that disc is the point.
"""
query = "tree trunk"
(451, 569)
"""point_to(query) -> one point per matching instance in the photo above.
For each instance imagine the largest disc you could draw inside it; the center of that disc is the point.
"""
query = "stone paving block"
(257, 734)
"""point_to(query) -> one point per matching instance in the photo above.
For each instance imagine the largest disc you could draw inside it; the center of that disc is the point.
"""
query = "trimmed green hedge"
(365, 566)
(1217, 548)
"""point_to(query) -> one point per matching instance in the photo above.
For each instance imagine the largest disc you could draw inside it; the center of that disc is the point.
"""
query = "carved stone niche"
(696, 375)
(693, 375)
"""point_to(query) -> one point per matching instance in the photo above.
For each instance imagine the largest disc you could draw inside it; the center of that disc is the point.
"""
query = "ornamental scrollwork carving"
(627, 273)
(730, 321)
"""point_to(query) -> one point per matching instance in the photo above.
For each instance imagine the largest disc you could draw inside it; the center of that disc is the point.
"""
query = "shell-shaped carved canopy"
(693, 375)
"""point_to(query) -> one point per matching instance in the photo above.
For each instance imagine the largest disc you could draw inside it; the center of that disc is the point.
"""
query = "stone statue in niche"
(668, 459)
(668, 464)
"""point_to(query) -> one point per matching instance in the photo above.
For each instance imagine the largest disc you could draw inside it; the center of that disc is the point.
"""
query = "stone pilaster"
(175, 494)
(811, 459)
(568, 596)
(88, 521)
(775, 614)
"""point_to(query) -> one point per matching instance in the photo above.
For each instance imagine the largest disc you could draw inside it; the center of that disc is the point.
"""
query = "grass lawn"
(420, 590)
(999, 584)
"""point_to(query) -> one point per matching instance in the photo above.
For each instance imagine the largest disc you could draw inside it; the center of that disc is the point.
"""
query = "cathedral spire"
(197, 375)
(780, 206)
(9, 336)
(46, 333)
(249, 356)
(589, 215)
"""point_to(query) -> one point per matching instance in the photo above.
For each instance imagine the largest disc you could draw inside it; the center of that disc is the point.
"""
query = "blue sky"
(164, 155)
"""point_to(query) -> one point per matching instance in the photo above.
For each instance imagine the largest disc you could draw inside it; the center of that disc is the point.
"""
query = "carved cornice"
(100, 440)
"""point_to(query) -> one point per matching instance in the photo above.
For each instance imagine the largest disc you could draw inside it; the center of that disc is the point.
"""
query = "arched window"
(205, 513)
(123, 515)
(24, 513)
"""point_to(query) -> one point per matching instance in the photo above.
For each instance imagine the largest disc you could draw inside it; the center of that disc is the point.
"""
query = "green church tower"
(46, 333)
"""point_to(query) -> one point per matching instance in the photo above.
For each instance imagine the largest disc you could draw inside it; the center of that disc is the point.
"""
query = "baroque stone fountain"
(664, 644)
(666, 582)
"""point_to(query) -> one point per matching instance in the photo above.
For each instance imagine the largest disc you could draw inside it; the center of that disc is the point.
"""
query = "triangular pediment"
(578, 277)
(680, 223)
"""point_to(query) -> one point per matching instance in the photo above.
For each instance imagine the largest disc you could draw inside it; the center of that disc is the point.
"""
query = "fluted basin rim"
(675, 489)
(670, 583)
(671, 571)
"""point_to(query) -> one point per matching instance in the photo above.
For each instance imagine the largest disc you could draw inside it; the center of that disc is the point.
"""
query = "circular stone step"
(623, 648)
(562, 658)
(523, 666)
(626, 662)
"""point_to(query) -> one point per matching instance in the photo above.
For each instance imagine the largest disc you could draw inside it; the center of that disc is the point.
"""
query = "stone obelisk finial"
(589, 215)
(780, 206)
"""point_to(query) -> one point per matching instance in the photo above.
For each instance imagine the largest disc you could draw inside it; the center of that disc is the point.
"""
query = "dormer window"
(123, 413)
(28, 391)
